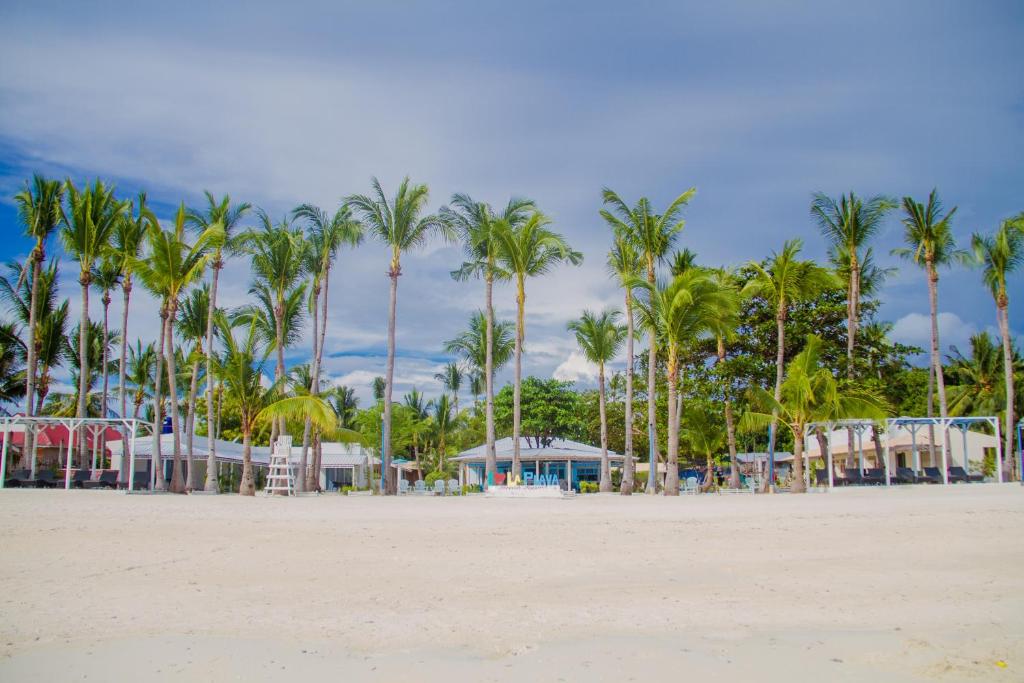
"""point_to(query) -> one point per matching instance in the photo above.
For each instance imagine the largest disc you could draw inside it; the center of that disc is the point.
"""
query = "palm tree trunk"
(730, 425)
(126, 288)
(211, 485)
(390, 485)
(626, 487)
(517, 388)
(158, 483)
(652, 397)
(247, 486)
(940, 382)
(798, 462)
(313, 481)
(177, 480)
(780, 360)
(279, 368)
(852, 298)
(190, 426)
(1003, 313)
(819, 433)
(931, 412)
(106, 354)
(30, 360)
(672, 462)
(307, 426)
(606, 472)
(490, 458)
(83, 346)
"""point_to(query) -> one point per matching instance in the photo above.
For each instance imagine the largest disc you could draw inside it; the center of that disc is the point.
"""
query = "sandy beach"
(905, 584)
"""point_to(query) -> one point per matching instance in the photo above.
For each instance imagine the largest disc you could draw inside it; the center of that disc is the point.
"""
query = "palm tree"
(228, 217)
(726, 279)
(241, 371)
(529, 250)
(451, 379)
(192, 330)
(420, 413)
(1000, 255)
(141, 363)
(705, 434)
(471, 344)
(344, 403)
(930, 244)
(976, 378)
(624, 266)
(278, 263)
(809, 393)
(169, 268)
(690, 306)
(651, 235)
(475, 223)
(88, 225)
(12, 372)
(326, 235)
(785, 281)
(39, 209)
(443, 421)
(400, 225)
(106, 276)
(600, 337)
(129, 235)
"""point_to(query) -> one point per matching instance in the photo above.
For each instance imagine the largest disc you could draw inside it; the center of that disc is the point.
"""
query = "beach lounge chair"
(403, 487)
(854, 476)
(821, 477)
(47, 480)
(874, 475)
(439, 487)
(107, 480)
(80, 477)
(453, 487)
(419, 488)
(140, 482)
(931, 475)
(905, 475)
(957, 475)
(20, 478)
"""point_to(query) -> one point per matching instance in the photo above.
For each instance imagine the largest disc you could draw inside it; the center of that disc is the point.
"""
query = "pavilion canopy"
(334, 454)
(557, 449)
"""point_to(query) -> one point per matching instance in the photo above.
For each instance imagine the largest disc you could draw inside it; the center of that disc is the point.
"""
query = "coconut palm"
(344, 403)
(399, 223)
(600, 337)
(169, 268)
(229, 218)
(528, 250)
(691, 306)
(106, 276)
(419, 414)
(92, 216)
(451, 379)
(726, 279)
(651, 235)
(1000, 255)
(786, 280)
(39, 210)
(12, 369)
(705, 433)
(624, 265)
(139, 374)
(129, 235)
(809, 393)
(191, 328)
(241, 371)
(326, 235)
(471, 344)
(443, 421)
(977, 378)
(475, 223)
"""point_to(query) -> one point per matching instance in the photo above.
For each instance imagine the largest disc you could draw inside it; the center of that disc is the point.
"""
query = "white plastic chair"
(419, 488)
(439, 487)
(691, 486)
(403, 487)
(453, 487)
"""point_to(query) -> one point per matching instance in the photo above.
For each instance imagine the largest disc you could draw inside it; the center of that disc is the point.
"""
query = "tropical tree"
(786, 280)
(241, 371)
(691, 306)
(326, 235)
(92, 216)
(192, 329)
(624, 265)
(652, 236)
(344, 403)
(471, 344)
(1000, 255)
(39, 210)
(705, 433)
(451, 379)
(419, 412)
(141, 363)
(809, 393)
(170, 267)
(930, 244)
(128, 238)
(977, 378)
(726, 279)
(399, 223)
(475, 222)
(217, 213)
(600, 338)
(106, 276)
(12, 370)
(443, 422)
(527, 250)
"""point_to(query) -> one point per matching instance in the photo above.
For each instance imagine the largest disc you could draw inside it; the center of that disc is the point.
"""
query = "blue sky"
(756, 104)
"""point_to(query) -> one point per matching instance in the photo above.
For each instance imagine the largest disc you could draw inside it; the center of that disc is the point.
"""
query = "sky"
(756, 104)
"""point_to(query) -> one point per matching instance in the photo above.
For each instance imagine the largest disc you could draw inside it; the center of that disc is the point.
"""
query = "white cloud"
(575, 368)
(915, 329)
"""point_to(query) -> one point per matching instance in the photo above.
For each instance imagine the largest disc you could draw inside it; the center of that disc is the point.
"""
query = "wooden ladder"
(279, 474)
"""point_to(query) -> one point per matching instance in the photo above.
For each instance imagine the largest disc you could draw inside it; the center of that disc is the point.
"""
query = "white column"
(35, 451)
(999, 452)
(913, 447)
(945, 456)
(3, 452)
(807, 460)
(131, 460)
(71, 448)
(888, 480)
(860, 450)
(967, 460)
(831, 482)
(568, 475)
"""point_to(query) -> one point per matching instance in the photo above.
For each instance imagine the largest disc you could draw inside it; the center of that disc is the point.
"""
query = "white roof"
(334, 454)
(529, 449)
(902, 440)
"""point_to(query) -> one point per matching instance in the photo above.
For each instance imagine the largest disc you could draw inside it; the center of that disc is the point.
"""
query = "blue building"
(567, 460)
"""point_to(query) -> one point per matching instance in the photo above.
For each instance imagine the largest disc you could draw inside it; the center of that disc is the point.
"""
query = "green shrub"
(589, 487)
(473, 488)
(432, 477)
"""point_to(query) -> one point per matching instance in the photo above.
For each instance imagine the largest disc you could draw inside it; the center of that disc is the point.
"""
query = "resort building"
(569, 461)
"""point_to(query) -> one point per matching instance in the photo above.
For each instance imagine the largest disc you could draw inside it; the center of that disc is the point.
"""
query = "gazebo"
(567, 460)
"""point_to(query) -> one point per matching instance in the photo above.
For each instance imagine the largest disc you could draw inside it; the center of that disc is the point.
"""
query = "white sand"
(880, 585)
